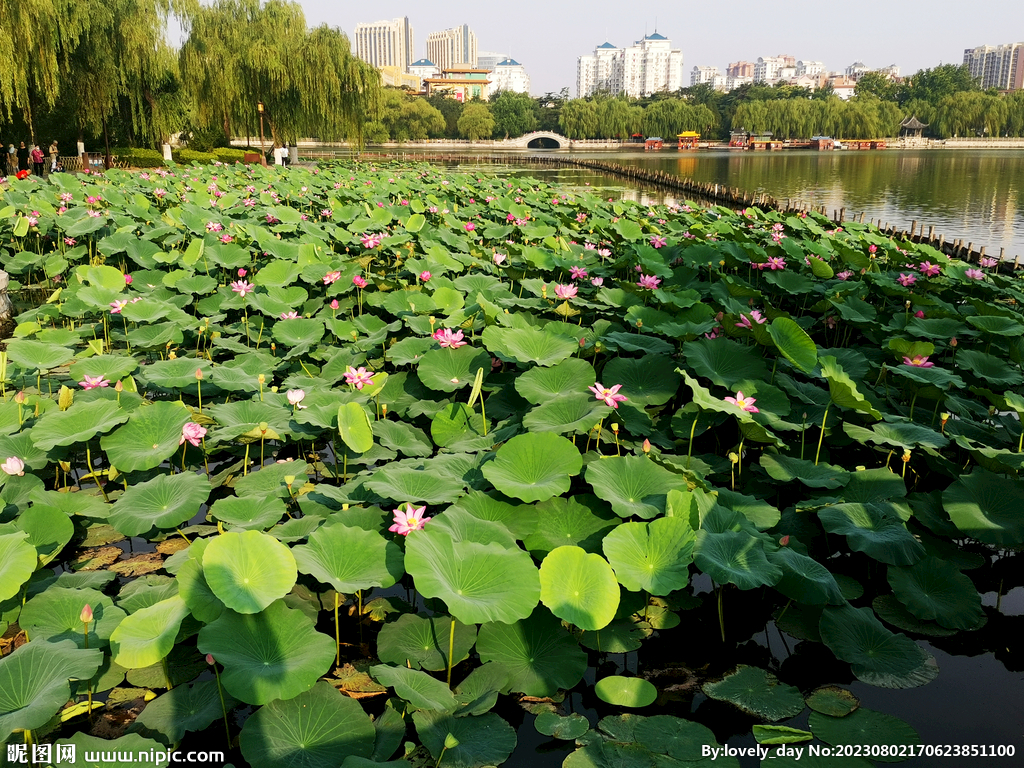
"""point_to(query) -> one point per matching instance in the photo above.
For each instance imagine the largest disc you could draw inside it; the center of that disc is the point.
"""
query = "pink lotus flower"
(844, 274)
(425, 276)
(565, 291)
(499, 258)
(974, 274)
(448, 338)
(658, 242)
(776, 262)
(597, 281)
(470, 226)
(69, 241)
(872, 249)
(929, 269)
(127, 279)
(295, 397)
(226, 238)
(331, 277)
(610, 396)
(577, 273)
(581, 217)
(192, 432)
(117, 306)
(242, 287)
(242, 272)
(987, 262)
(410, 520)
(214, 226)
(917, 361)
(93, 382)
(359, 282)
(334, 303)
(906, 280)
(743, 403)
(371, 240)
(13, 466)
(289, 315)
(86, 616)
(919, 314)
(358, 377)
(650, 282)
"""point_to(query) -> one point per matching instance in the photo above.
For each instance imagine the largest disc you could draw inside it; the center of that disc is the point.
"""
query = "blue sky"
(548, 35)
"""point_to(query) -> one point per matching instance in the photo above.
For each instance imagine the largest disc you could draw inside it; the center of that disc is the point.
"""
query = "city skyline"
(549, 38)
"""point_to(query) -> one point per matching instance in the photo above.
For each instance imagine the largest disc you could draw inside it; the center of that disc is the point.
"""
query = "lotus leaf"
(319, 728)
(568, 413)
(832, 700)
(249, 512)
(626, 691)
(935, 589)
(481, 741)
(424, 642)
(987, 507)
(758, 693)
(857, 636)
(354, 427)
(540, 385)
(151, 435)
(194, 590)
(96, 752)
(874, 529)
(568, 728)
(182, 709)
(804, 579)
(274, 654)
(350, 559)
(867, 727)
(17, 563)
(579, 521)
(724, 362)
(786, 469)
(633, 485)
(402, 483)
(147, 636)
(81, 422)
(652, 557)
(528, 345)
(164, 502)
(36, 355)
(417, 687)
(521, 520)
(55, 615)
(450, 369)
(248, 570)
(649, 380)
(534, 467)
(735, 557)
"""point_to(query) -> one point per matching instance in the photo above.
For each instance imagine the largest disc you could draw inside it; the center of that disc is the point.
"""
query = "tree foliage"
(513, 114)
(476, 121)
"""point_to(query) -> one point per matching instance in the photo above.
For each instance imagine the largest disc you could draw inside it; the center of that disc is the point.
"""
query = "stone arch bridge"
(538, 140)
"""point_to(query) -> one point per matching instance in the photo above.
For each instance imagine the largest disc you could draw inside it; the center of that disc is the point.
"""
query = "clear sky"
(547, 36)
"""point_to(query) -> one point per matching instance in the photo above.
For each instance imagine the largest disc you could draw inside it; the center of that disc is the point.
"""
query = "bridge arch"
(543, 140)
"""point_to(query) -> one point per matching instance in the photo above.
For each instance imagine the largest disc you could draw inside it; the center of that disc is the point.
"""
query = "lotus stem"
(821, 437)
(167, 674)
(334, 451)
(451, 650)
(245, 466)
(784, 609)
(483, 413)
(689, 448)
(223, 708)
(721, 612)
(803, 432)
(913, 402)
(359, 615)
(337, 631)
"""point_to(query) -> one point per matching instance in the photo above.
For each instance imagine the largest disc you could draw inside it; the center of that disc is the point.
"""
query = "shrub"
(229, 154)
(138, 157)
(187, 156)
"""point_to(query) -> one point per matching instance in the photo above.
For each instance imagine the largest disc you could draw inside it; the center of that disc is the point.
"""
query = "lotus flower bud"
(65, 398)
(261, 379)
(86, 615)
(209, 659)
(20, 398)
(199, 374)
(583, 343)
(334, 304)
(646, 446)
(119, 387)
(952, 342)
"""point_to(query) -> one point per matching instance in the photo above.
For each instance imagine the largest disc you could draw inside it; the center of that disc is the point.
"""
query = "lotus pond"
(367, 463)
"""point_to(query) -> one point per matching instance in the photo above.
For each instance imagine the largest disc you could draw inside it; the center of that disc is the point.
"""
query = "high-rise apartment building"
(386, 43)
(509, 75)
(489, 59)
(648, 66)
(997, 66)
(769, 69)
(810, 68)
(453, 47)
(711, 75)
(740, 69)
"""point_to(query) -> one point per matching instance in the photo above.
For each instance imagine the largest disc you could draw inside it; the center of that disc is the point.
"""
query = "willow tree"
(240, 53)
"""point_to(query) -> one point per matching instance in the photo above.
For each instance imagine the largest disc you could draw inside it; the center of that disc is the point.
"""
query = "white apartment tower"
(510, 75)
(997, 66)
(386, 43)
(456, 46)
(648, 66)
(769, 69)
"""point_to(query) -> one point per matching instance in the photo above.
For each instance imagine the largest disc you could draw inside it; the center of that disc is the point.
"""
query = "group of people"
(18, 159)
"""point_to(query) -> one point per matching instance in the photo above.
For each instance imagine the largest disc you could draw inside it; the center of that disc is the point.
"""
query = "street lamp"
(263, 151)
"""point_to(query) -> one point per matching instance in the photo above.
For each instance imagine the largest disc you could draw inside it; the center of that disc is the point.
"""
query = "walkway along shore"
(718, 194)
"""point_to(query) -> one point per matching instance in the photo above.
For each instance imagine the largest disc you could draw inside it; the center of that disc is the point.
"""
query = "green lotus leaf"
(36, 355)
(274, 654)
(758, 693)
(454, 422)
(793, 341)
(521, 520)
(354, 427)
(299, 332)
(866, 727)
(482, 741)
(735, 557)
(319, 728)
(617, 637)
(147, 636)
(55, 615)
(539, 654)
(935, 589)
(785, 469)
(832, 700)
(528, 345)
(48, 529)
(270, 479)
(249, 512)
(580, 521)
(110, 367)
(843, 390)
(667, 735)
(79, 423)
(390, 727)
(780, 734)
(541, 385)
(722, 361)
(804, 579)
(758, 511)
(986, 507)
(402, 437)
(155, 336)
(857, 636)
(164, 502)
(423, 642)
(988, 367)
(570, 413)
(151, 435)
(34, 682)
(21, 445)
(179, 373)
(460, 525)
(145, 591)
(447, 370)
(350, 559)
(17, 563)
(579, 587)
(893, 612)
(899, 435)
(196, 284)
(401, 484)
(649, 380)
(182, 709)
(479, 582)
(567, 728)
(248, 570)
(874, 529)
(196, 592)
(652, 557)
(633, 485)
(626, 691)
(417, 687)
(534, 467)
(997, 325)
(96, 752)
(236, 419)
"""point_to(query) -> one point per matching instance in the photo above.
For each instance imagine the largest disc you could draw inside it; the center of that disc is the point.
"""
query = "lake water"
(974, 195)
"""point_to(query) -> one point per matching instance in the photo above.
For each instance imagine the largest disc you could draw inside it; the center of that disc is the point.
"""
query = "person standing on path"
(54, 152)
(11, 160)
(37, 161)
(22, 157)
